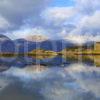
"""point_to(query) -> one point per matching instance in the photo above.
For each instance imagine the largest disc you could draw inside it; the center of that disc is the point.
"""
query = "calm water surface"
(53, 79)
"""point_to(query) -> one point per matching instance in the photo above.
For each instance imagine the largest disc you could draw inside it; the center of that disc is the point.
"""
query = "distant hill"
(3, 38)
(41, 42)
(54, 45)
(6, 44)
(23, 45)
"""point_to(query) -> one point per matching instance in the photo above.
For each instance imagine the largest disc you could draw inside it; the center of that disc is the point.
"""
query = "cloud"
(28, 32)
(87, 6)
(84, 16)
(88, 29)
(35, 16)
(30, 72)
(4, 83)
(91, 23)
(58, 15)
(4, 24)
(77, 81)
(81, 39)
(17, 11)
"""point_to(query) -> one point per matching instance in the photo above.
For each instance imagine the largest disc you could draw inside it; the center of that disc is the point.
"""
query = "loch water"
(50, 79)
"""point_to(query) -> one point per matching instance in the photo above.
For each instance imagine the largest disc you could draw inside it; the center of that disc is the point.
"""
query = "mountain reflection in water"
(60, 61)
(61, 77)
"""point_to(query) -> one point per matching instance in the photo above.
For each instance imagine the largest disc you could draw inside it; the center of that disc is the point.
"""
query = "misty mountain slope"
(25, 45)
(6, 44)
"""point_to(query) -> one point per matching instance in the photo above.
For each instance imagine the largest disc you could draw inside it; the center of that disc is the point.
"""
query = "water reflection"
(73, 82)
(60, 60)
(97, 60)
(62, 77)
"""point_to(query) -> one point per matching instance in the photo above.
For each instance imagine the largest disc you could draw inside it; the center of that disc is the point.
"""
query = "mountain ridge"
(22, 45)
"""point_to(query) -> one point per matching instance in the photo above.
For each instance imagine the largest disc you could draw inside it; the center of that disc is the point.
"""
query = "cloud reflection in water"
(74, 82)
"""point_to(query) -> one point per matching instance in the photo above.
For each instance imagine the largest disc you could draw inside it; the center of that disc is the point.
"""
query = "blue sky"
(56, 19)
(63, 3)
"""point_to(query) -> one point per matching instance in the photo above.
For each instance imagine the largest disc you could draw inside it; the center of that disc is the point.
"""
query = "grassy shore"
(48, 53)
(87, 55)
(38, 54)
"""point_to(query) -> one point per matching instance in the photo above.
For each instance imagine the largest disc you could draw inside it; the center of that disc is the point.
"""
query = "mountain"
(35, 42)
(6, 44)
(20, 45)
(3, 38)
(24, 45)
(41, 42)
(54, 45)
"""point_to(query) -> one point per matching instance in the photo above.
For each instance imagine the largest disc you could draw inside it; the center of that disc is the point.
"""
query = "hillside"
(42, 54)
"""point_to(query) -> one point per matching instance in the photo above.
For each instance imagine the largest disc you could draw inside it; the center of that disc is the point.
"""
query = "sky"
(73, 20)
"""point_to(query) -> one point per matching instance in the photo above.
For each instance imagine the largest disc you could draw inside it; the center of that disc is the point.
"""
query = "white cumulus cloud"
(58, 15)
(17, 11)
(88, 29)
(4, 23)
(87, 6)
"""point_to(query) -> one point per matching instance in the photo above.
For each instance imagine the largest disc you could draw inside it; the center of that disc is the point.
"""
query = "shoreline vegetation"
(92, 54)
(50, 53)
